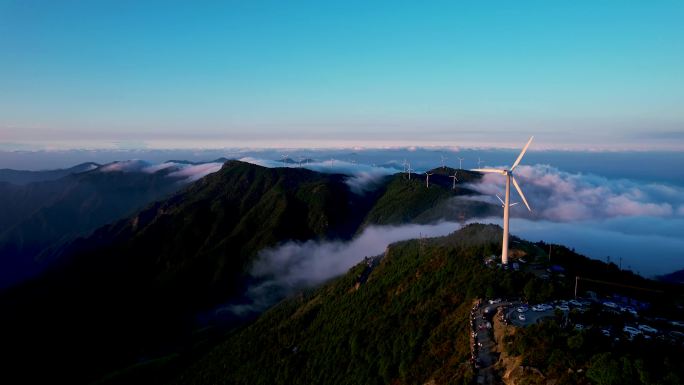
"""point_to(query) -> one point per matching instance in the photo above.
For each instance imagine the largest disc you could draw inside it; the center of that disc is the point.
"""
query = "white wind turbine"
(479, 161)
(455, 179)
(502, 202)
(427, 179)
(443, 159)
(408, 170)
(507, 203)
(460, 163)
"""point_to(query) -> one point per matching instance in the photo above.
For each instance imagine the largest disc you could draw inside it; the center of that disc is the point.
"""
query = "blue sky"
(577, 74)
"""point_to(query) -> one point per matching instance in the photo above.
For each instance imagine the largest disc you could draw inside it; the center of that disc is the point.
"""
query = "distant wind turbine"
(427, 179)
(502, 202)
(408, 170)
(443, 159)
(509, 177)
(332, 162)
(455, 179)
(479, 161)
(460, 163)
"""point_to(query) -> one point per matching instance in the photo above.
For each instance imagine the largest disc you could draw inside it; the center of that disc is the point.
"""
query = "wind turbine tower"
(443, 159)
(507, 203)
(455, 179)
(460, 163)
(427, 179)
(408, 170)
(479, 161)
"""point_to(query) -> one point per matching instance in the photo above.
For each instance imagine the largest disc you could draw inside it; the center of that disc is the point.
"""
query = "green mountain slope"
(404, 200)
(402, 319)
(135, 285)
(131, 290)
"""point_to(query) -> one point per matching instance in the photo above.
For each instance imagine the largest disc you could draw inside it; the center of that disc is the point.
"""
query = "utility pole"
(576, 281)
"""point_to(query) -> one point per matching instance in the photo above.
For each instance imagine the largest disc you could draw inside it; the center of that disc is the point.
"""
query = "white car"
(521, 317)
(522, 309)
(575, 302)
(605, 332)
(547, 307)
(563, 307)
(611, 305)
(494, 301)
(631, 330)
(648, 329)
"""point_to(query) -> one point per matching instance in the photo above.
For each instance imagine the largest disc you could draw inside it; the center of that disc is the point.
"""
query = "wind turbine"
(408, 170)
(479, 161)
(443, 159)
(332, 161)
(453, 187)
(460, 163)
(509, 177)
(427, 179)
(285, 158)
(502, 202)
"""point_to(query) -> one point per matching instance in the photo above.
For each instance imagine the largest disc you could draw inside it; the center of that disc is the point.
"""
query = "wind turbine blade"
(517, 187)
(513, 204)
(500, 200)
(522, 153)
(489, 170)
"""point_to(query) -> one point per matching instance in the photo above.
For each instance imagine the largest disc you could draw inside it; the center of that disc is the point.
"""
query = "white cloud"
(194, 172)
(184, 171)
(561, 196)
(362, 177)
(133, 165)
(297, 265)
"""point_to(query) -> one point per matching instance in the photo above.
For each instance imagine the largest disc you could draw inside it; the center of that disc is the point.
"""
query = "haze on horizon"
(578, 75)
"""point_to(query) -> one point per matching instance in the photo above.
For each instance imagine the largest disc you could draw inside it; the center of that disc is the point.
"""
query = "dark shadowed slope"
(40, 217)
(130, 287)
(21, 177)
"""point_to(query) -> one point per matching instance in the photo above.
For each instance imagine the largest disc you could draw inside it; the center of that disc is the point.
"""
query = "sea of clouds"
(185, 172)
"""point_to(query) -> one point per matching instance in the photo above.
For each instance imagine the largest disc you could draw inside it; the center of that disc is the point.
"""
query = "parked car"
(579, 327)
(522, 309)
(575, 302)
(522, 317)
(611, 305)
(563, 307)
(632, 331)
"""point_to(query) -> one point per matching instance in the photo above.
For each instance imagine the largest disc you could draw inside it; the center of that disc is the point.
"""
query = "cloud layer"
(561, 196)
(185, 172)
(297, 265)
(362, 177)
